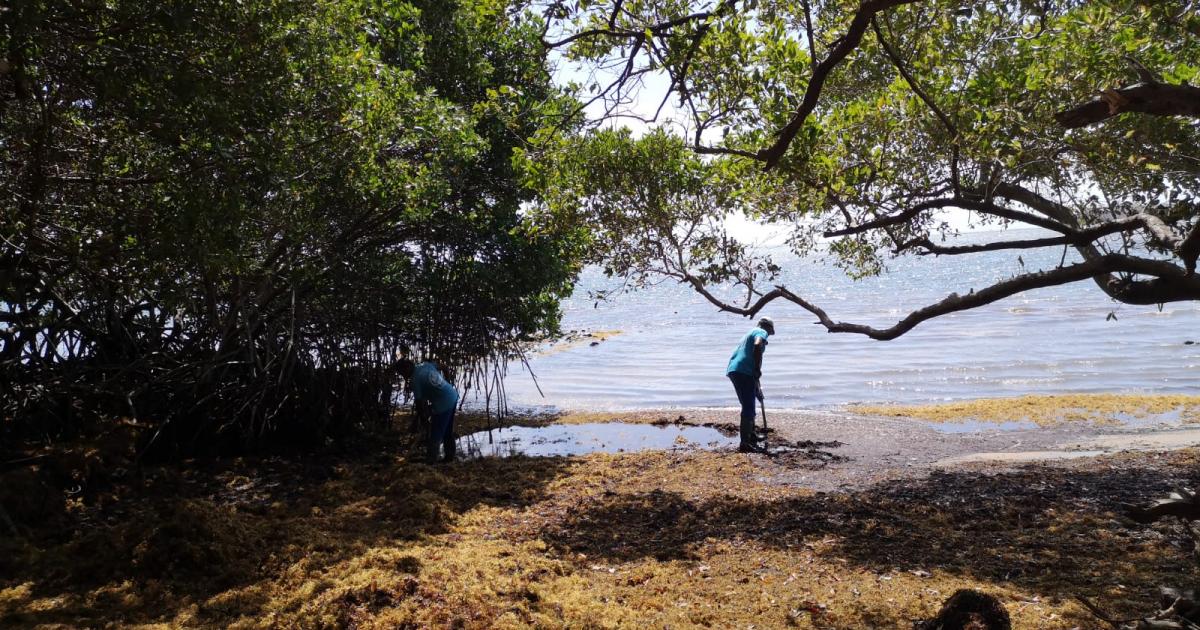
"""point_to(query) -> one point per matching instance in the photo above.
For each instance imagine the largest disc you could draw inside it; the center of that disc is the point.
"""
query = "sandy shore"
(870, 449)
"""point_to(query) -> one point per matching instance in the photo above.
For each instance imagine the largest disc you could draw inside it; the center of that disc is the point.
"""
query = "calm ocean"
(672, 345)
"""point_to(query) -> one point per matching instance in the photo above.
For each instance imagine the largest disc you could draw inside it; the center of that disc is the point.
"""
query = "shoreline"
(1053, 409)
(875, 448)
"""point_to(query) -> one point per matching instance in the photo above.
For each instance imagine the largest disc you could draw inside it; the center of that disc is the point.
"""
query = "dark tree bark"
(1156, 99)
(1182, 504)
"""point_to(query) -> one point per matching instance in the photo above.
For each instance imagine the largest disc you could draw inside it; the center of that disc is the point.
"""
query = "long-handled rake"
(766, 432)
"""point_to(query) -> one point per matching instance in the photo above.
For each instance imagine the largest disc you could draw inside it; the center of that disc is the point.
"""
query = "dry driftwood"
(1181, 503)
(1180, 611)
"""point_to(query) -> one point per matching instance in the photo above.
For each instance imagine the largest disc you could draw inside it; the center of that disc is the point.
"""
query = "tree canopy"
(222, 219)
(225, 219)
(864, 122)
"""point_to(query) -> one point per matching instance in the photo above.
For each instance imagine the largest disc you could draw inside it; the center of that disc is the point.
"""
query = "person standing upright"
(745, 371)
(430, 388)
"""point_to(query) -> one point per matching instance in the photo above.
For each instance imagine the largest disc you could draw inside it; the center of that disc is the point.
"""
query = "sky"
(647, 98)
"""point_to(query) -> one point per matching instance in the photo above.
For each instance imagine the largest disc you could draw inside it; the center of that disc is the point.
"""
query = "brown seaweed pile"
(371, 539)
(1048, 410)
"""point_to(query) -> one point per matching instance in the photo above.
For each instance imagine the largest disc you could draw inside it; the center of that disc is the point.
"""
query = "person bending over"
(430, 389)
(745, 370)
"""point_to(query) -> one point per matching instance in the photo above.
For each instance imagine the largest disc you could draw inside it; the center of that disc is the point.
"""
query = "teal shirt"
(743, 355)
(428, 384)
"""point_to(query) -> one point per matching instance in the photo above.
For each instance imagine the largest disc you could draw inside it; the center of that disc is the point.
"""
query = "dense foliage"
(225, 218)
(222, 219)
(866, 122)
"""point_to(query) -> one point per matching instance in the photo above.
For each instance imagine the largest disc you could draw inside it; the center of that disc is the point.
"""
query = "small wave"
(1032, 381)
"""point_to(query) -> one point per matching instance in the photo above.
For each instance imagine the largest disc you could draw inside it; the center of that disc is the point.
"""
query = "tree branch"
(929, 247)
(1168, 282)
(846, 44)
(1078, 238)
(1189, 249)
(703, 150)
(1156, 99)
(1051, 209)
(952, 202)
(912, 82)
(612, 18)
(808, 32)
(1170, 279)
(594, 32)
(655, 29)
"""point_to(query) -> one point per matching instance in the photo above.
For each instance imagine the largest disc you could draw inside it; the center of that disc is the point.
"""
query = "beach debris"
(1180, 611)
(1181, 503)
(802, 453)
(1179, 608)
(968, 609)
(368, 538)
(575, 338)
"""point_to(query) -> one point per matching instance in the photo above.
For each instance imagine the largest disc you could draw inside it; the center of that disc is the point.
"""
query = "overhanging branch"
(1078, 238)
(654, 29)
(1057, 218)
(1156, 99)
(929, 247)
(846, 44)
(1050, 208)
(1170, 278)
(952, 202)
(1189, 249)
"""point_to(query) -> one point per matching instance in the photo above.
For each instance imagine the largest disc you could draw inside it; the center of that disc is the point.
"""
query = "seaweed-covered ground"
(367, 537)
(1050, 410)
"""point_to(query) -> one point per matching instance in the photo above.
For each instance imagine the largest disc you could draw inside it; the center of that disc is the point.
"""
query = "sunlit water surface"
(673, 345)
(581, 439)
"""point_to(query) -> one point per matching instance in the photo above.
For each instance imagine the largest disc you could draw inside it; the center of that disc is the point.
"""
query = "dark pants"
(441, 434)
(745, 386)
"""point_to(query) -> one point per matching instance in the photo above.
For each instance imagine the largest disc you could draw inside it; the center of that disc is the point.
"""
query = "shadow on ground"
(142, 547)
(545, 541)
(1040, 529)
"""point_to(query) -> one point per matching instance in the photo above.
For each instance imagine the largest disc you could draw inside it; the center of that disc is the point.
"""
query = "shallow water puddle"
(1146, 420)
(581, 439)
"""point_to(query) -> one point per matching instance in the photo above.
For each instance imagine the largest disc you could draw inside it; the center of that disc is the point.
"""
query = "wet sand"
(876, 448)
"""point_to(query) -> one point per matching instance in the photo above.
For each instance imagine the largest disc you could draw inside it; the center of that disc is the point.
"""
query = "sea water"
(672, 345)
(597, 437)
